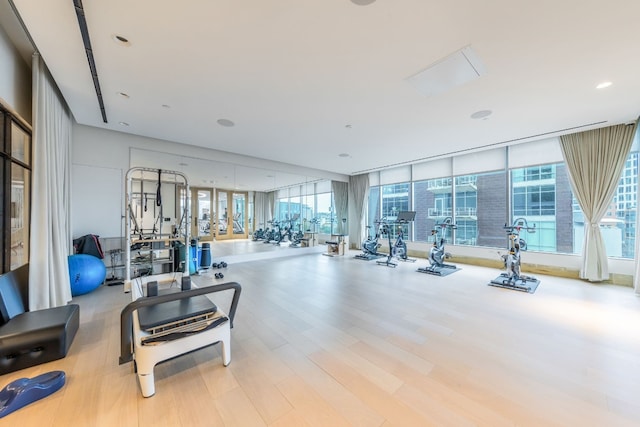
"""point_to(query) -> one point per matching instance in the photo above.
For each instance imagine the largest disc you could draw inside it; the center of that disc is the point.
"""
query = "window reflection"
(19, 216)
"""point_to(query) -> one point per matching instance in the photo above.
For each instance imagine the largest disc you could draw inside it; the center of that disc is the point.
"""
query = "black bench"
(29, 338)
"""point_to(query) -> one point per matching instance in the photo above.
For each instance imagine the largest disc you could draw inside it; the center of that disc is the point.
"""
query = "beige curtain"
(49, 284)
(341, 199)
(262, 212)
(636, 273)
(595, 160)
(358, 192)
(271, 207)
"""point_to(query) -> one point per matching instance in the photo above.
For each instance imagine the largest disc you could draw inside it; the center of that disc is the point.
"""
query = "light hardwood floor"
(335, 341)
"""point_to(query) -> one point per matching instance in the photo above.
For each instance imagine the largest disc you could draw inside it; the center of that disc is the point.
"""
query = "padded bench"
(132, 336)
(29, 338)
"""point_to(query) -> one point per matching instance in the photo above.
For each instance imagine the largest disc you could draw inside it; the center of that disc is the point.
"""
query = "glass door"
(232, 215)
(223, 215)
(202, 221)
(240, 216)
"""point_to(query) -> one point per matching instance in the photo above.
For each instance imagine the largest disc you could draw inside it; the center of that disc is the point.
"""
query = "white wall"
(15, 79)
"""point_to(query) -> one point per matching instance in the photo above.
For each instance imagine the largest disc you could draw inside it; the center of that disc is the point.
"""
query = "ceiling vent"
(452, 71)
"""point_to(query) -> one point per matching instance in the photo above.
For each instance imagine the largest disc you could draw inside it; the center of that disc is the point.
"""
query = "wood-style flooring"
(336, 341)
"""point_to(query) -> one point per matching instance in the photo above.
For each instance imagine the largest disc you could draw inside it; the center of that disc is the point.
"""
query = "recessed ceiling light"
(362, 2)
(120, 40)
(604, 85)
(124, 123)
(123, 95)
(226, 123)
(183, 164)
(166, 106)
(343, 155)
(348, 126)
(482, 114)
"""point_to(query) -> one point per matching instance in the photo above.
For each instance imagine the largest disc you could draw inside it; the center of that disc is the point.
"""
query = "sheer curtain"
(595, 160)
(262, 211)
(341, 199)
(271, 206)
(51, 241)
(636, 273)
(358, 191)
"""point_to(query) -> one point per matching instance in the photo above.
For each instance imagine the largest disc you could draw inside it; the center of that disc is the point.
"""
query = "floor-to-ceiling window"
(433, 203)
(618, 226)
(480, 209)
(325, 213)
(395, 199)
(373, 211)
(15, 191)
(308, 211)
(541, 195)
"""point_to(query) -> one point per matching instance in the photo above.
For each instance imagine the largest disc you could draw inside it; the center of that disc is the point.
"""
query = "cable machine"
(156, 222)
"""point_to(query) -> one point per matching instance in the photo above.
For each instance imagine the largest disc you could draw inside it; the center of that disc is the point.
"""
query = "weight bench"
(29, 338)
(138, 344)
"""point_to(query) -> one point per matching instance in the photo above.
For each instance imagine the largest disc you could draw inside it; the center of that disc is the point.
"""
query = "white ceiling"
(305, 81)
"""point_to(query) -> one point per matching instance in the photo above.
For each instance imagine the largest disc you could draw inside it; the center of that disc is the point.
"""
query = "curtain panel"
(341, 200)
(51, 240)
(261, 206)
(358, 192)
(595, 160)
(271, 206)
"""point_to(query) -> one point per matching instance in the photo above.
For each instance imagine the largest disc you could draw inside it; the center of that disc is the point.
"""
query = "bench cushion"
(12, 294)
(37, 337)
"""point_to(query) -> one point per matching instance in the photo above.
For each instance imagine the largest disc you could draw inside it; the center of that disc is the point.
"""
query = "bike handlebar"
(520, 224)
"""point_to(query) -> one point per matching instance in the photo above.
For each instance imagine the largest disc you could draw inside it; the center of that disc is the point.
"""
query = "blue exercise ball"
(86, 273)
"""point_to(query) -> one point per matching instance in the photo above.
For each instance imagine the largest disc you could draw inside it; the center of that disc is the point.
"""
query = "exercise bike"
(512, 278)
(371, 245)
(398, 249)
(295, 237)
(437, 253)
(259, 234)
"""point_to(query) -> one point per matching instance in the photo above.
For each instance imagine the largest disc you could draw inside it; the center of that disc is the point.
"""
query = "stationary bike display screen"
(406, 216)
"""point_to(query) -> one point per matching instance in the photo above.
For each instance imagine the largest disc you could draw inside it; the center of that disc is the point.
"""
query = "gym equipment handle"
(126, 320)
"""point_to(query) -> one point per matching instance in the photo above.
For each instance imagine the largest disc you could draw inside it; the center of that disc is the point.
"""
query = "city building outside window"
(395, 199)
(433, 203)
(325, 213)
(480, 209)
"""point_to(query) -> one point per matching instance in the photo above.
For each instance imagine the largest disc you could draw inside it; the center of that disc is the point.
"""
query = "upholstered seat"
(146, 356)
(29, 338)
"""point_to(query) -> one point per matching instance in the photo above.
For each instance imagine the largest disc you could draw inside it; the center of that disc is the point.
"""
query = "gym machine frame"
(370, 246)
(398, 249)
(158, 239)
(512, 277)
(437, 254)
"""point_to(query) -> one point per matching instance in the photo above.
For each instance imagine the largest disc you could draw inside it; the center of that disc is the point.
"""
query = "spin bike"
(512, 278)
(371, 245)
(398, 249)
(437, 254)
